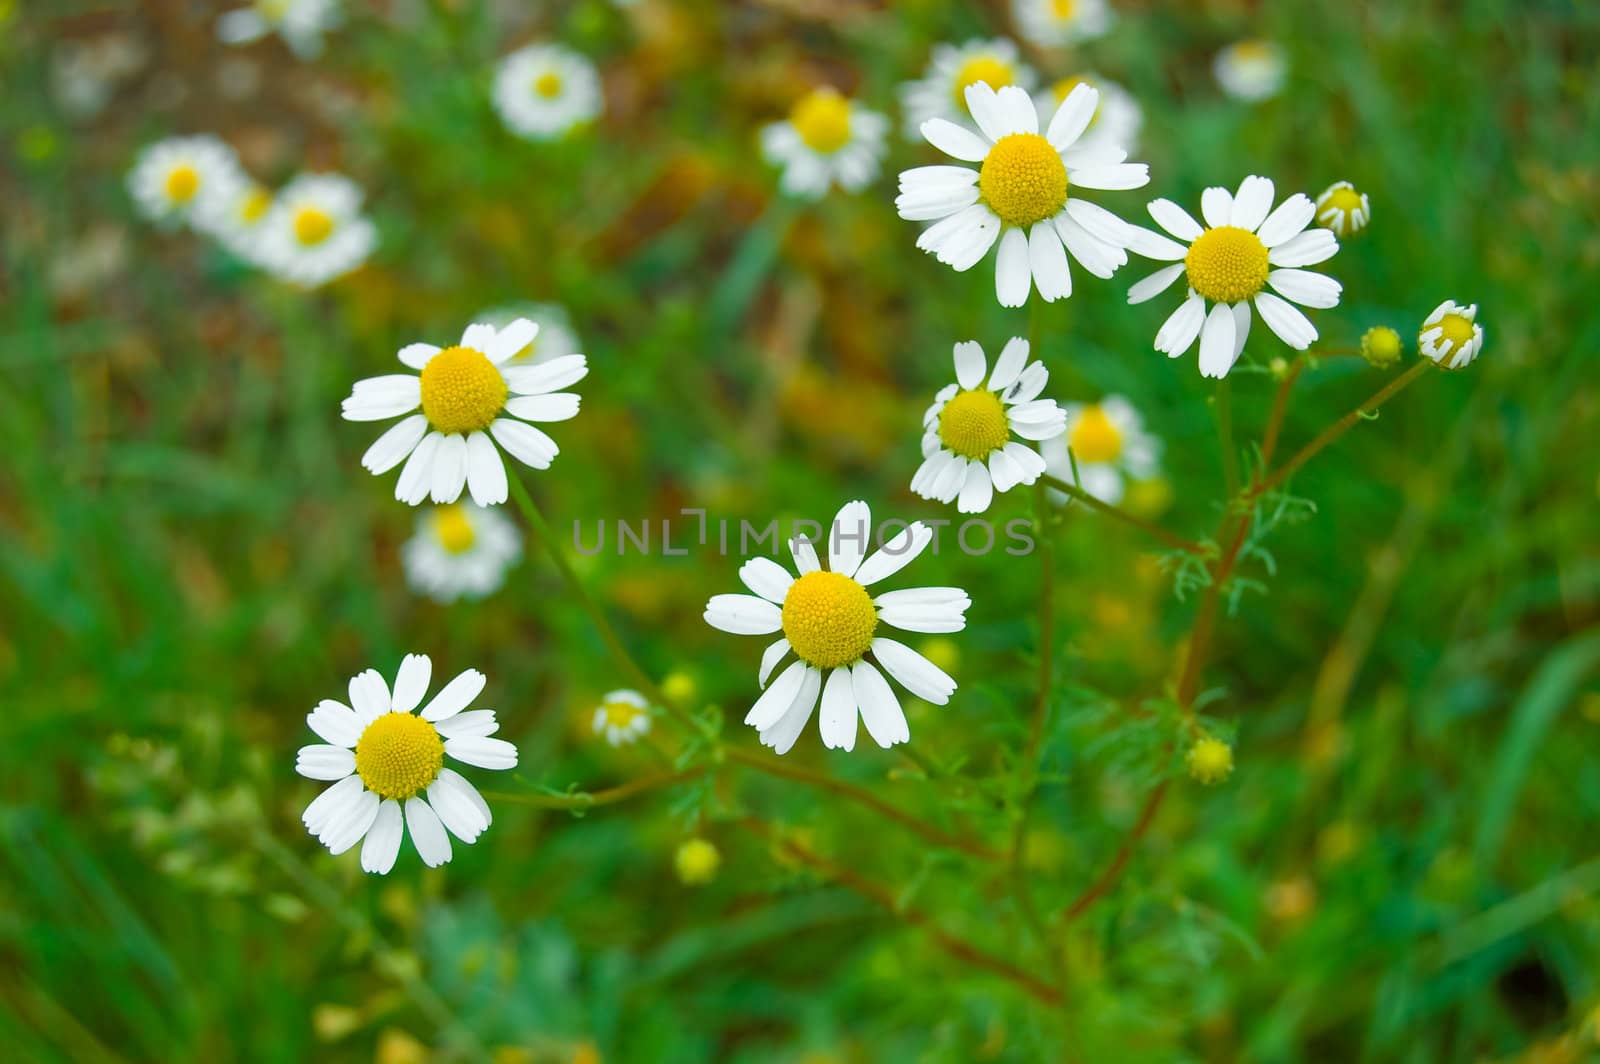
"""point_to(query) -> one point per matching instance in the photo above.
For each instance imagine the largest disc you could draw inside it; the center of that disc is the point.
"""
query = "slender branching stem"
(1171, 539)
(581, 800)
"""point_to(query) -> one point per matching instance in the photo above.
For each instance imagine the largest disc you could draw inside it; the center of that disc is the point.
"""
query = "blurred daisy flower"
(827, 140)
(1250, 70)
(301, 23)
(386, 764)
(941, 92)
(968, 453)
(1451, 336)
(1245, 247)
(461, 550)
(315, 232)
(622, 718)
(1019, 196)
(1108, 446)
(466, 392)
(234, 217)
(830, 621)
(1054, 23)
(1116, 121)
(555, 338)
(1343, 210)
(545, 90)
(172, 178)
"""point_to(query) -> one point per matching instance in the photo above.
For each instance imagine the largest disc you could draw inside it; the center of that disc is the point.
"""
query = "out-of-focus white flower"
(301, 23)
(1117, 119)
(460, 550)
(173, 178)
(553, 339)
(315, 231)
(544, 90)
(622, 718)
(827, 140)
(1108, 445)
(1250, 70)
(1055, 23)
(941, 91)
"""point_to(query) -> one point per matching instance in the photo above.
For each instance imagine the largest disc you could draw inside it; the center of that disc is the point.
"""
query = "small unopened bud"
(1381, 346)
(1210, 760)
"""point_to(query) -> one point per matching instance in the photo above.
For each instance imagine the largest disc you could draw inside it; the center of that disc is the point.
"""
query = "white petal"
(465, 725)
(417, 355)
(1009, 365)
(449, 469)
(1005, 473)
(928, 205)
(459, 813)
(322, 761)
(486, 473)
(1251, 204)
(417, 476)
(333, 800)
(383, 839)
(1027, 459)
(777, 698)
(482, 752)
(880, 709)
(1073, 116)
(551, 376)
(1180, 329)
(1241, 327)
(766, 578)
(1307, 249)
(557, 406)
(1291, 217)
(369, 695)
(782, 735)
(380, 398)
(955, 141)
(1292, 326)
(1012, 277)
(921, 179)
(970, 235)
(353, 823)
(511, 339)
(950, 480)
(399, 441)
(743, 615)
(1152, 245)
(838, 722)
(1117, 177)
(895, 555)
(455, 696)
(976, 491)
(1097, 256)
(528, 445)
(427, 834)
(848, 537)
(1018, 110)
(1306, 288)
(1029, 384)
(411, 682)
(1155, 284)
(1216, 342)
(1175, 220)
(336, 723)
(479, 337)
(984, 104)
(970, 363)
(1216, 206)
(1047, 260)
(913, 671)
(770, 658)
(930, 620)
(1098, 222)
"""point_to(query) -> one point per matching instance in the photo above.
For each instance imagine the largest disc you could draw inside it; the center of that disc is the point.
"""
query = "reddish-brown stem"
(1171, 539)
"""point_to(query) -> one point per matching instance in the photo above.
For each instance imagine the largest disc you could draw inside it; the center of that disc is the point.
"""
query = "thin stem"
(580, 800)
(1280, 408)
(1171, 539)
(1113, 871)
(1230, 459)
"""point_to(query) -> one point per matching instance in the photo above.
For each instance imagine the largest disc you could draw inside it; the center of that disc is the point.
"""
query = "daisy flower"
(466, 393)
(545, 90)
(461, 550)
(1116, 121)
(1019, 195)
(555, 338)
(1108, 446)
(827, 140)
(1451, 336)
(622, 718)
(830, 621)
(315, 232)
(967, 450)
(235, 215)
(1054, 23)
(386, 764)
(1342, 209)
(301, 23)
(1250, 70)
(941, 92)
(1245, 247)
(173, 177)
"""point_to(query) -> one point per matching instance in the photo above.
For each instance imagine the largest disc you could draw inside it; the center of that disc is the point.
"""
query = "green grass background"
(1404, 866)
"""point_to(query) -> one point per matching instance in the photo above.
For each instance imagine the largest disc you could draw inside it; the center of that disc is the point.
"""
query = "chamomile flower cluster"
(622, 718)
(1451, 335)
(827, 140)
(1056, 23)
(544, 91)
(301, 23)
(1344, 210)
(1105, 448)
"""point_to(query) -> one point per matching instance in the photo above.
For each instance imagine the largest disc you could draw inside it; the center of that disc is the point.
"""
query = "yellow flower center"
(398, 755)
(1094, 438)
(973, 424)
(993, 72)
(1343, 199)
(454, 528)
(829, 619)
(254, 205)
(547, 85)
(1210, 760)
(1023, 179)
(462, 391)
(273, 10)
(182, 183)
(1063, 9)
(1456, 331)
(620, 714)
(822, 118)
(312, 226)
(1227, 264)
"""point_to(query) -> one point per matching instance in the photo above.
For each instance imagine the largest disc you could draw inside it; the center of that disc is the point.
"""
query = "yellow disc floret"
(822, 119)
(398, 755)
(182, 183)
(1227, 264)
(1210, 760)
(1455, 331)
(620, 714)
(1381, 346)
(1023, 179)
(1063, 9)
(1094, 438)
(312, 226)
(973, 424)
(462, 391)
(992, 71)
(547, 85)
(454, 528)
(829, 619)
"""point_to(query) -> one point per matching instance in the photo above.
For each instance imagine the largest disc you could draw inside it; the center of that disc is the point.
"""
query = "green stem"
(1171, 539)
(1230, 457)
(581, 800)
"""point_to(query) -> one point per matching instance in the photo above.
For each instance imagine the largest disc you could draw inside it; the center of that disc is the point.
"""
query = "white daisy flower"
(828, 140)
(1020, 194)
(941, 92)
(1250, 70)
(235, 216)
(1451, 336)
(967, 449)
(1055, 23)
(544, 90)
(386, 764)
(622, 718)
(555, 337)
(461, 550)
(466, 393)
(301, 23)
(830, 621)
(1108, 445)
(1245, 247)
(172, 178)
(1117, 120)
(315, 232)
(1342, 209)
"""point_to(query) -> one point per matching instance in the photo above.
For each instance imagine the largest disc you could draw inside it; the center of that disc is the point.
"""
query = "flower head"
(1107, 444)
(460, 550)
(470, 400)
(1342, 209)
(315, 232)
(1250, 70)
(545, 90)
(1054, 23)
(941, 92)
(828, 140)
(1210, 760)
(830, 622)
(1244, 248)
(301, 23)
(1026, 194)
(1451, 336)
(1381, 346)
(697, 861)
(967, 446)
(173, 178)
(1117, 118)
(387, 765)
(235, 215)
(623, 717)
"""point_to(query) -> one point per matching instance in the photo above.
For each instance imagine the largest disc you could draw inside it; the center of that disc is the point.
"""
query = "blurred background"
(1404, 864)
